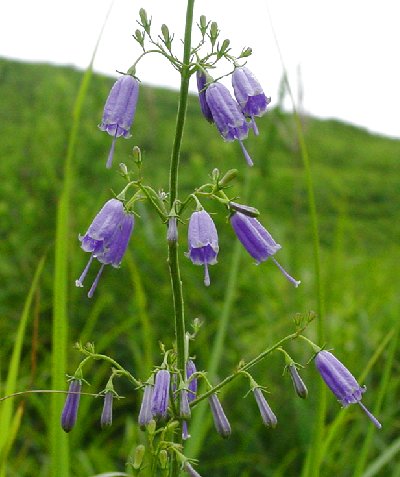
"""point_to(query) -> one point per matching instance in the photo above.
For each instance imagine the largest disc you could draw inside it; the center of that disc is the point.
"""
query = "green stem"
(247, 366)
(173, 258)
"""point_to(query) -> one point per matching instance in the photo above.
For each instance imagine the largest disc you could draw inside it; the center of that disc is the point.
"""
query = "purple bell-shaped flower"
(249, 94)
(106, 239)
(203, 241)
(257, 240)
(119, 110)
(341, 382)
(227, 116)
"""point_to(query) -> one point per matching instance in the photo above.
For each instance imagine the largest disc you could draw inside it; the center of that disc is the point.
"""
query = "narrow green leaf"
(6, 408)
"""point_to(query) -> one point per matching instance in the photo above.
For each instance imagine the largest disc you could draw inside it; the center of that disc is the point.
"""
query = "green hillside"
(357, 182)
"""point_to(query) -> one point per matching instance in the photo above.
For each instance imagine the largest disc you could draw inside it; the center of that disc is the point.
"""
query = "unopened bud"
(138, 36)
(166, 37)
(137, 154)
(221, 422)
(145, 21)
(123, 169)
(215, 174)
(228, 177)
(70, 410)
(214, 32)
(163, 458)
(246, 52)
(299, 386)
(106, 415)
(160, 398)
(184, 408)
(172, 232)
(224, 48)
(203, 22)
(138, 456)
(268, 417)
(244, 209)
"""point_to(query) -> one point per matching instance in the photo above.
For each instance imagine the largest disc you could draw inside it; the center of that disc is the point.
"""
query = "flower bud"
(145, 414)
(299, 386)
(221, 422)
(172, 232)
(268, 417)
(70, 410)
(228, 177)
(244, 209)
(160, 399)
(145, 21)
(184, 408)
(214, 32)
(192, 387)
(163, 458)
(138, 456)
(106, 415)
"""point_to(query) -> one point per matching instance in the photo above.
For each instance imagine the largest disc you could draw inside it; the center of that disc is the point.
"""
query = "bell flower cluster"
(233, 117)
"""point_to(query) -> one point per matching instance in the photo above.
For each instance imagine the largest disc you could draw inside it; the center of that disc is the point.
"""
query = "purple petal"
(254, 237)
(103, 226)
(145, 414)
(70, 410)
(249, 93)
(116, 246)
(120, 106)
(160, 399)
(338, 378)
(221, 422)
(226, 113)
(268, 417)
(201, 83)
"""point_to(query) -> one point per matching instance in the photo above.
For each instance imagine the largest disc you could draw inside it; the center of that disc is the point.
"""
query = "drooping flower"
(227, 116)
(172, 231)
(145, 414)
(268, 417)
(221, 422)
(184, 408)
(106, 239)
(298, 383)
(119, 110)
(341, 382)
(106, 415)
(249, 94)
(160, 398)
(190, 394)
(70, 410)
(201, 87)
(202, 241)
(257, 240)
(192, 386)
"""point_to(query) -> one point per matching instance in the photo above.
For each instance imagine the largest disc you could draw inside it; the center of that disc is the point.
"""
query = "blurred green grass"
(357, 183)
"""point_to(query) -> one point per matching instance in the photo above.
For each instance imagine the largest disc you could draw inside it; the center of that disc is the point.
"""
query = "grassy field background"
(357, 182)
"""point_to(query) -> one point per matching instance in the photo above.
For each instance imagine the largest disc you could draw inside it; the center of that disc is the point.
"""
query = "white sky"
(347, 50)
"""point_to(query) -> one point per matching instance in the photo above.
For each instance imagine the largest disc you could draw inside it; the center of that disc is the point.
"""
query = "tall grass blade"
(312, 462)
(385, 458)
(6, 407)
(385, 381)
(58, 439)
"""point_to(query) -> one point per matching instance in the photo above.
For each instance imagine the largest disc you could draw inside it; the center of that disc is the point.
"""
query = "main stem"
(173, 258)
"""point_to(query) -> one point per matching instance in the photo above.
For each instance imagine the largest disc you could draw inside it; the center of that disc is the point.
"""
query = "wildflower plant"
(170, 395)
